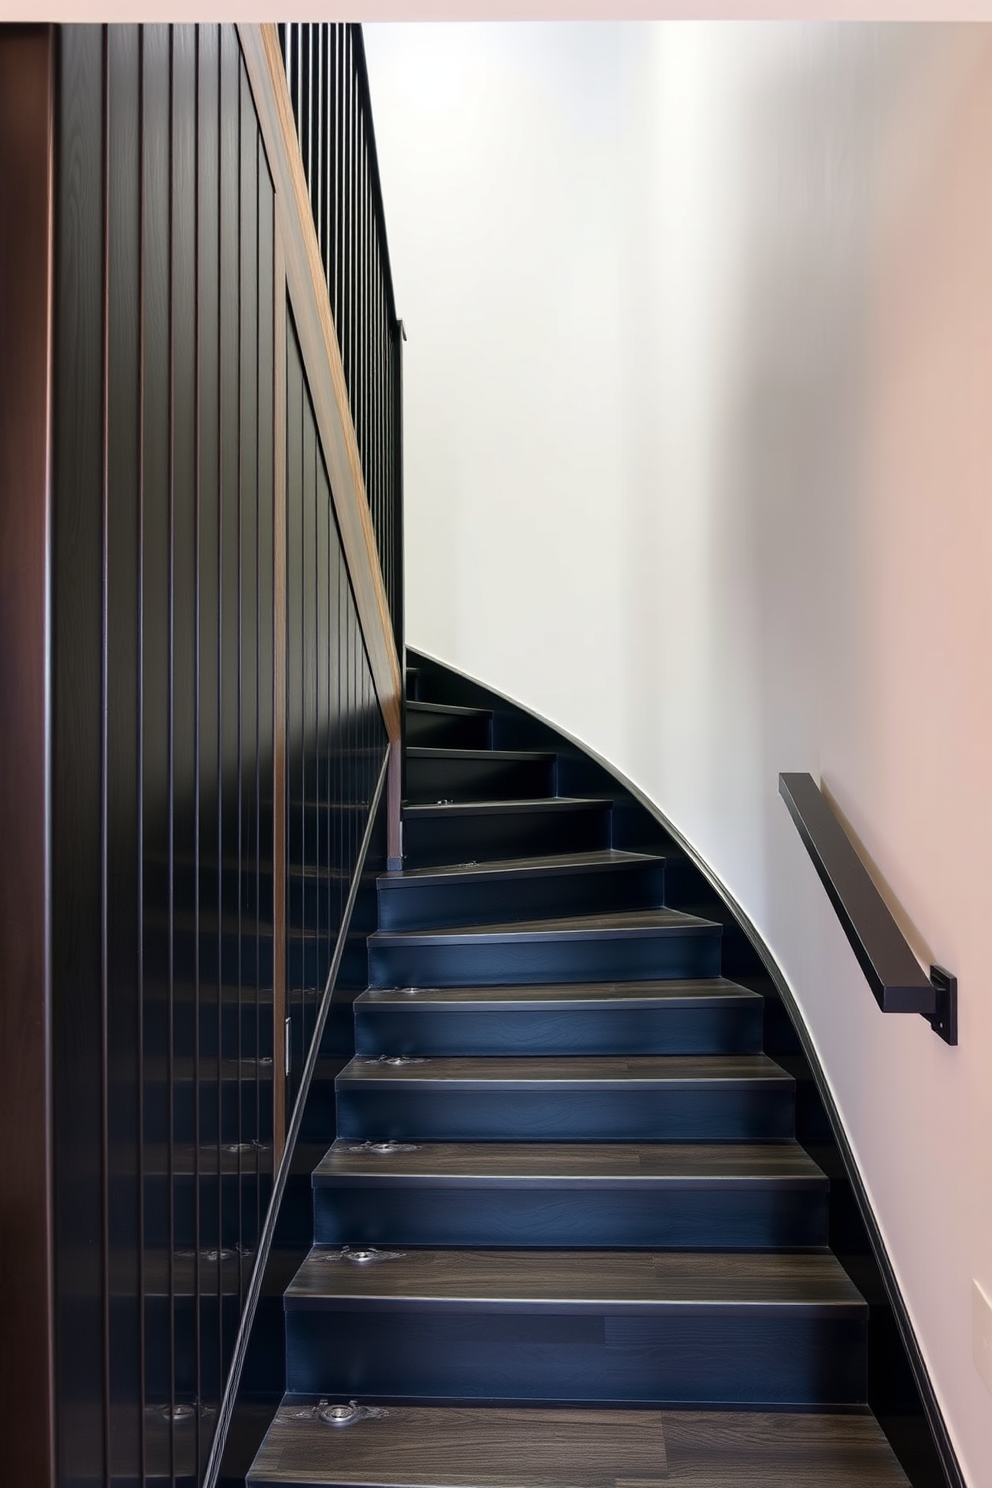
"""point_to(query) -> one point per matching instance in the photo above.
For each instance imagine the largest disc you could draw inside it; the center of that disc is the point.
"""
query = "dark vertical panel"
(125, 1157)
(265, 787)
(308, 597)
(26, 178)
(187, 1063)
(231, 1132)
(256, 940)
(77, 1055)
(156, 825)
(294, 655)
(209, 1027)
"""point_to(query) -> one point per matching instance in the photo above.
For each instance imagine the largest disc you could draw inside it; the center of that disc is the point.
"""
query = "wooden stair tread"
(621, 924)
(713, 991)
(501, 868)
(586, 1070)
(488, 1447)
(465, 1447)
(550, 1280)
(439, 752)
(555, 1165)
(413, 811)
(446, 710)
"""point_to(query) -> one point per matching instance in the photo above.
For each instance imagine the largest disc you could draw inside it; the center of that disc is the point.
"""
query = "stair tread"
(529, 867)
(679, 992)
(444, 710)
(589, 1070)
(549, 1280)
(567, 1164)
(622, 924)
(489, 1447)
(440, 752)
(515, 806)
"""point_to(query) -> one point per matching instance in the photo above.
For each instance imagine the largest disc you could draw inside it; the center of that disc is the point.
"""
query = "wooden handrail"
(898, 982)
(322, 360)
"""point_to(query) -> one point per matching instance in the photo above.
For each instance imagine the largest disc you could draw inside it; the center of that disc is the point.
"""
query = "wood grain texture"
(556, 804)
(501, 868)
(650, 922)
(615, 1281)
(322, 359)
(590, 1072)
(717, 1449)
(429, 1447)
(712, 991)
(563, 1164)
(26, 261)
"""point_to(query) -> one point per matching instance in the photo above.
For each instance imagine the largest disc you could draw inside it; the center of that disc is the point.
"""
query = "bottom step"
(432, 1447)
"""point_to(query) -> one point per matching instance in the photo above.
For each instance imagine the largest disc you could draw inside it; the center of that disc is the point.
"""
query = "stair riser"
(432, 841)
(570, 1029)
(487, 779)
(414, 907)
(762, 1112)
(695, 1358)
(678, 1219)
(438, 731)
(495, 963)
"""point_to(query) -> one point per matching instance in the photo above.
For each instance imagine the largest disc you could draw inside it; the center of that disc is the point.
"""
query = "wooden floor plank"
(550, 1280)
(593, 1071)
(724, 1164)
(713, 991)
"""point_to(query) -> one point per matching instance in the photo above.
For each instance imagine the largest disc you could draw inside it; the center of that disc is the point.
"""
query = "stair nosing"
(523, 932)
(707, 992)
(512, 806)
(340, 1281)
(506, 756)
(485, 871)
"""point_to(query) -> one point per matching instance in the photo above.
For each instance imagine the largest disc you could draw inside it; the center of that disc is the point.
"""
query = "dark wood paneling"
(322, 359)
(122, 539)
(170, 660)
(78, 941)
(26, 185)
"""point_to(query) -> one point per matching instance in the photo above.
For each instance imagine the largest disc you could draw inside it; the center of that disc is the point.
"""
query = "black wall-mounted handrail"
(899, 983)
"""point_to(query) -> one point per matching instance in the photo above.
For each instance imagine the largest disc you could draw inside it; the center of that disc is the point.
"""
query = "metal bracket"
(944, 1018)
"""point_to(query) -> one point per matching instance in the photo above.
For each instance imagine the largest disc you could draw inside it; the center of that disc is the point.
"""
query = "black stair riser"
(696, 1358)
(757, 1112)
(447, 730)
(743, 1218)
(480, 779)
(430, 842)
(572, 1028)
(413, 906)
(492, 962)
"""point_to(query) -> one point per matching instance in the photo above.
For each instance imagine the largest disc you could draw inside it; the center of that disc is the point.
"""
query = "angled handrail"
(898, 982)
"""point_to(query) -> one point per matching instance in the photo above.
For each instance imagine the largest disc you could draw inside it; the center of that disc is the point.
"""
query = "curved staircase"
(565, 1235)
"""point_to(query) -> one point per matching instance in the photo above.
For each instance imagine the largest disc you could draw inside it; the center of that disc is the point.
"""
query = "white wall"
(699, 466)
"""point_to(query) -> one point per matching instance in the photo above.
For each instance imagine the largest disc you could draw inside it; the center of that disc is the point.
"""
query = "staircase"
(565, 1234)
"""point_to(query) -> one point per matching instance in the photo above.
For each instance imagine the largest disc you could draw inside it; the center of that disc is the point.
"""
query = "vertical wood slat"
(279, 698)
(27, 145)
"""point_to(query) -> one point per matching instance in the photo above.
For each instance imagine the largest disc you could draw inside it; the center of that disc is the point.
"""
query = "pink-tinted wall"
(699, 420)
